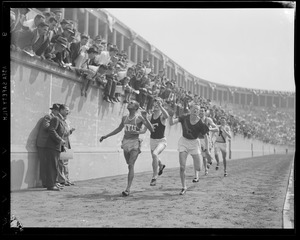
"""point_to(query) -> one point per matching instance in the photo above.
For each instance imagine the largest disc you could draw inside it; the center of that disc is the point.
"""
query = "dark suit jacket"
(74, 51)
(24, 39)
(43, 133)
(57, 131)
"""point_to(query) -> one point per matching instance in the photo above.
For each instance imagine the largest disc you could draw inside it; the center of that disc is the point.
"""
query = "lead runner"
(192, 126)
(131, 144)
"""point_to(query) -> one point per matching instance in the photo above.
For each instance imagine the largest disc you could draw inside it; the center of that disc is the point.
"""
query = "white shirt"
(29, 23)
(103, 58)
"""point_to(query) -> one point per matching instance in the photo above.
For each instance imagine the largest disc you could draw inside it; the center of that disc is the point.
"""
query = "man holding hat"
(42, 138)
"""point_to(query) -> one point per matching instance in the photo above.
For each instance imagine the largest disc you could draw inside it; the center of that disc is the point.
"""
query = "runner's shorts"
(131, 144)
(220, 146)
(155, 142)
(191, 146)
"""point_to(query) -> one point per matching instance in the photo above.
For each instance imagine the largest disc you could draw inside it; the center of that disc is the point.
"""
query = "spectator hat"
(43, 24)
(98, 38)
(113, 49)
(64, 21)
(84, 36)
(170, 83)
(47, 14)
(92, 50)
(62, 41)
(55, 106)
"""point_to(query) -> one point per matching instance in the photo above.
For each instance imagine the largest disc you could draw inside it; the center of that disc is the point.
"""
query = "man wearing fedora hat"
(52, 51)
(41, 139)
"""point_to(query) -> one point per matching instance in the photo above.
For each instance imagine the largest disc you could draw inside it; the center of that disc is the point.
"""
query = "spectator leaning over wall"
(30, 41)
(52, 51)
(52, 22)
(89, 69)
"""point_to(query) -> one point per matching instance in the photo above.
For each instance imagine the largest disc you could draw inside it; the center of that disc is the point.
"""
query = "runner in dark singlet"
(158, 141)
(192, 126)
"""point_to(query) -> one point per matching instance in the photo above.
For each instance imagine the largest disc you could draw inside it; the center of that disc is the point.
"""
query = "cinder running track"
(251, 196)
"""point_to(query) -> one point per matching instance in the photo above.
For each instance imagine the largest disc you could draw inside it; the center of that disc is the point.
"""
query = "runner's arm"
(213, 127)
(114, 132)
(146, 121)
(143, 130)
(173, 121)
(163, 110)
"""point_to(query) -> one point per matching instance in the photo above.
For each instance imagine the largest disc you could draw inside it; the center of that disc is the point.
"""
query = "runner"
(212, 129)
(220, 144)
(192, 126)
(158, 141)
(131, 144)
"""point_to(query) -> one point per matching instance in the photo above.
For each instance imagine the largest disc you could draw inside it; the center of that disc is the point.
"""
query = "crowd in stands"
(101, 63)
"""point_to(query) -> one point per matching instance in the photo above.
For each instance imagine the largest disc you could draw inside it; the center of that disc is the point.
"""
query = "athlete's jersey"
(159, 128)
(221, 138)
(131, 127)
(190, 131)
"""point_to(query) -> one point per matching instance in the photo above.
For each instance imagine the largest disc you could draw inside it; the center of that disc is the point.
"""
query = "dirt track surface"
(251, 196)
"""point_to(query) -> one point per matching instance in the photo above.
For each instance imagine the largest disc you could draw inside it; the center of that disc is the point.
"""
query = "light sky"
(252, 48)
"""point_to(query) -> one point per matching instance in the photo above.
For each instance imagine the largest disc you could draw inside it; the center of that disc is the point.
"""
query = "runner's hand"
(102, 138)
(144, 114)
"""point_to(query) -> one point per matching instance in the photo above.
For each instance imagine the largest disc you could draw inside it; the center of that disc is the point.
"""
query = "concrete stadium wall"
(36, 85)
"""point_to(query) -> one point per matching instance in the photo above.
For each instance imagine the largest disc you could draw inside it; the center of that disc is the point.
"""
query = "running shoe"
(195, 180)
(125, 193)
(217, 167)
(206, 173)
(153, 182)
(225, 174)
(161, 170)
(183, 191)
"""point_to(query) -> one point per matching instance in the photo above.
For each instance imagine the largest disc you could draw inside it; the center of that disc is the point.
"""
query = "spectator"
(54, 145)
(109, 90)
(101, 76)
(41, 139)
(52, 51)
(89, 69)
(63, 164)
(48, 15)
(58, 17)
(144, 86)
(52, 22)
(19, 16)
(31, 41)
(78, 51)
(106, 56)
(33, 23)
